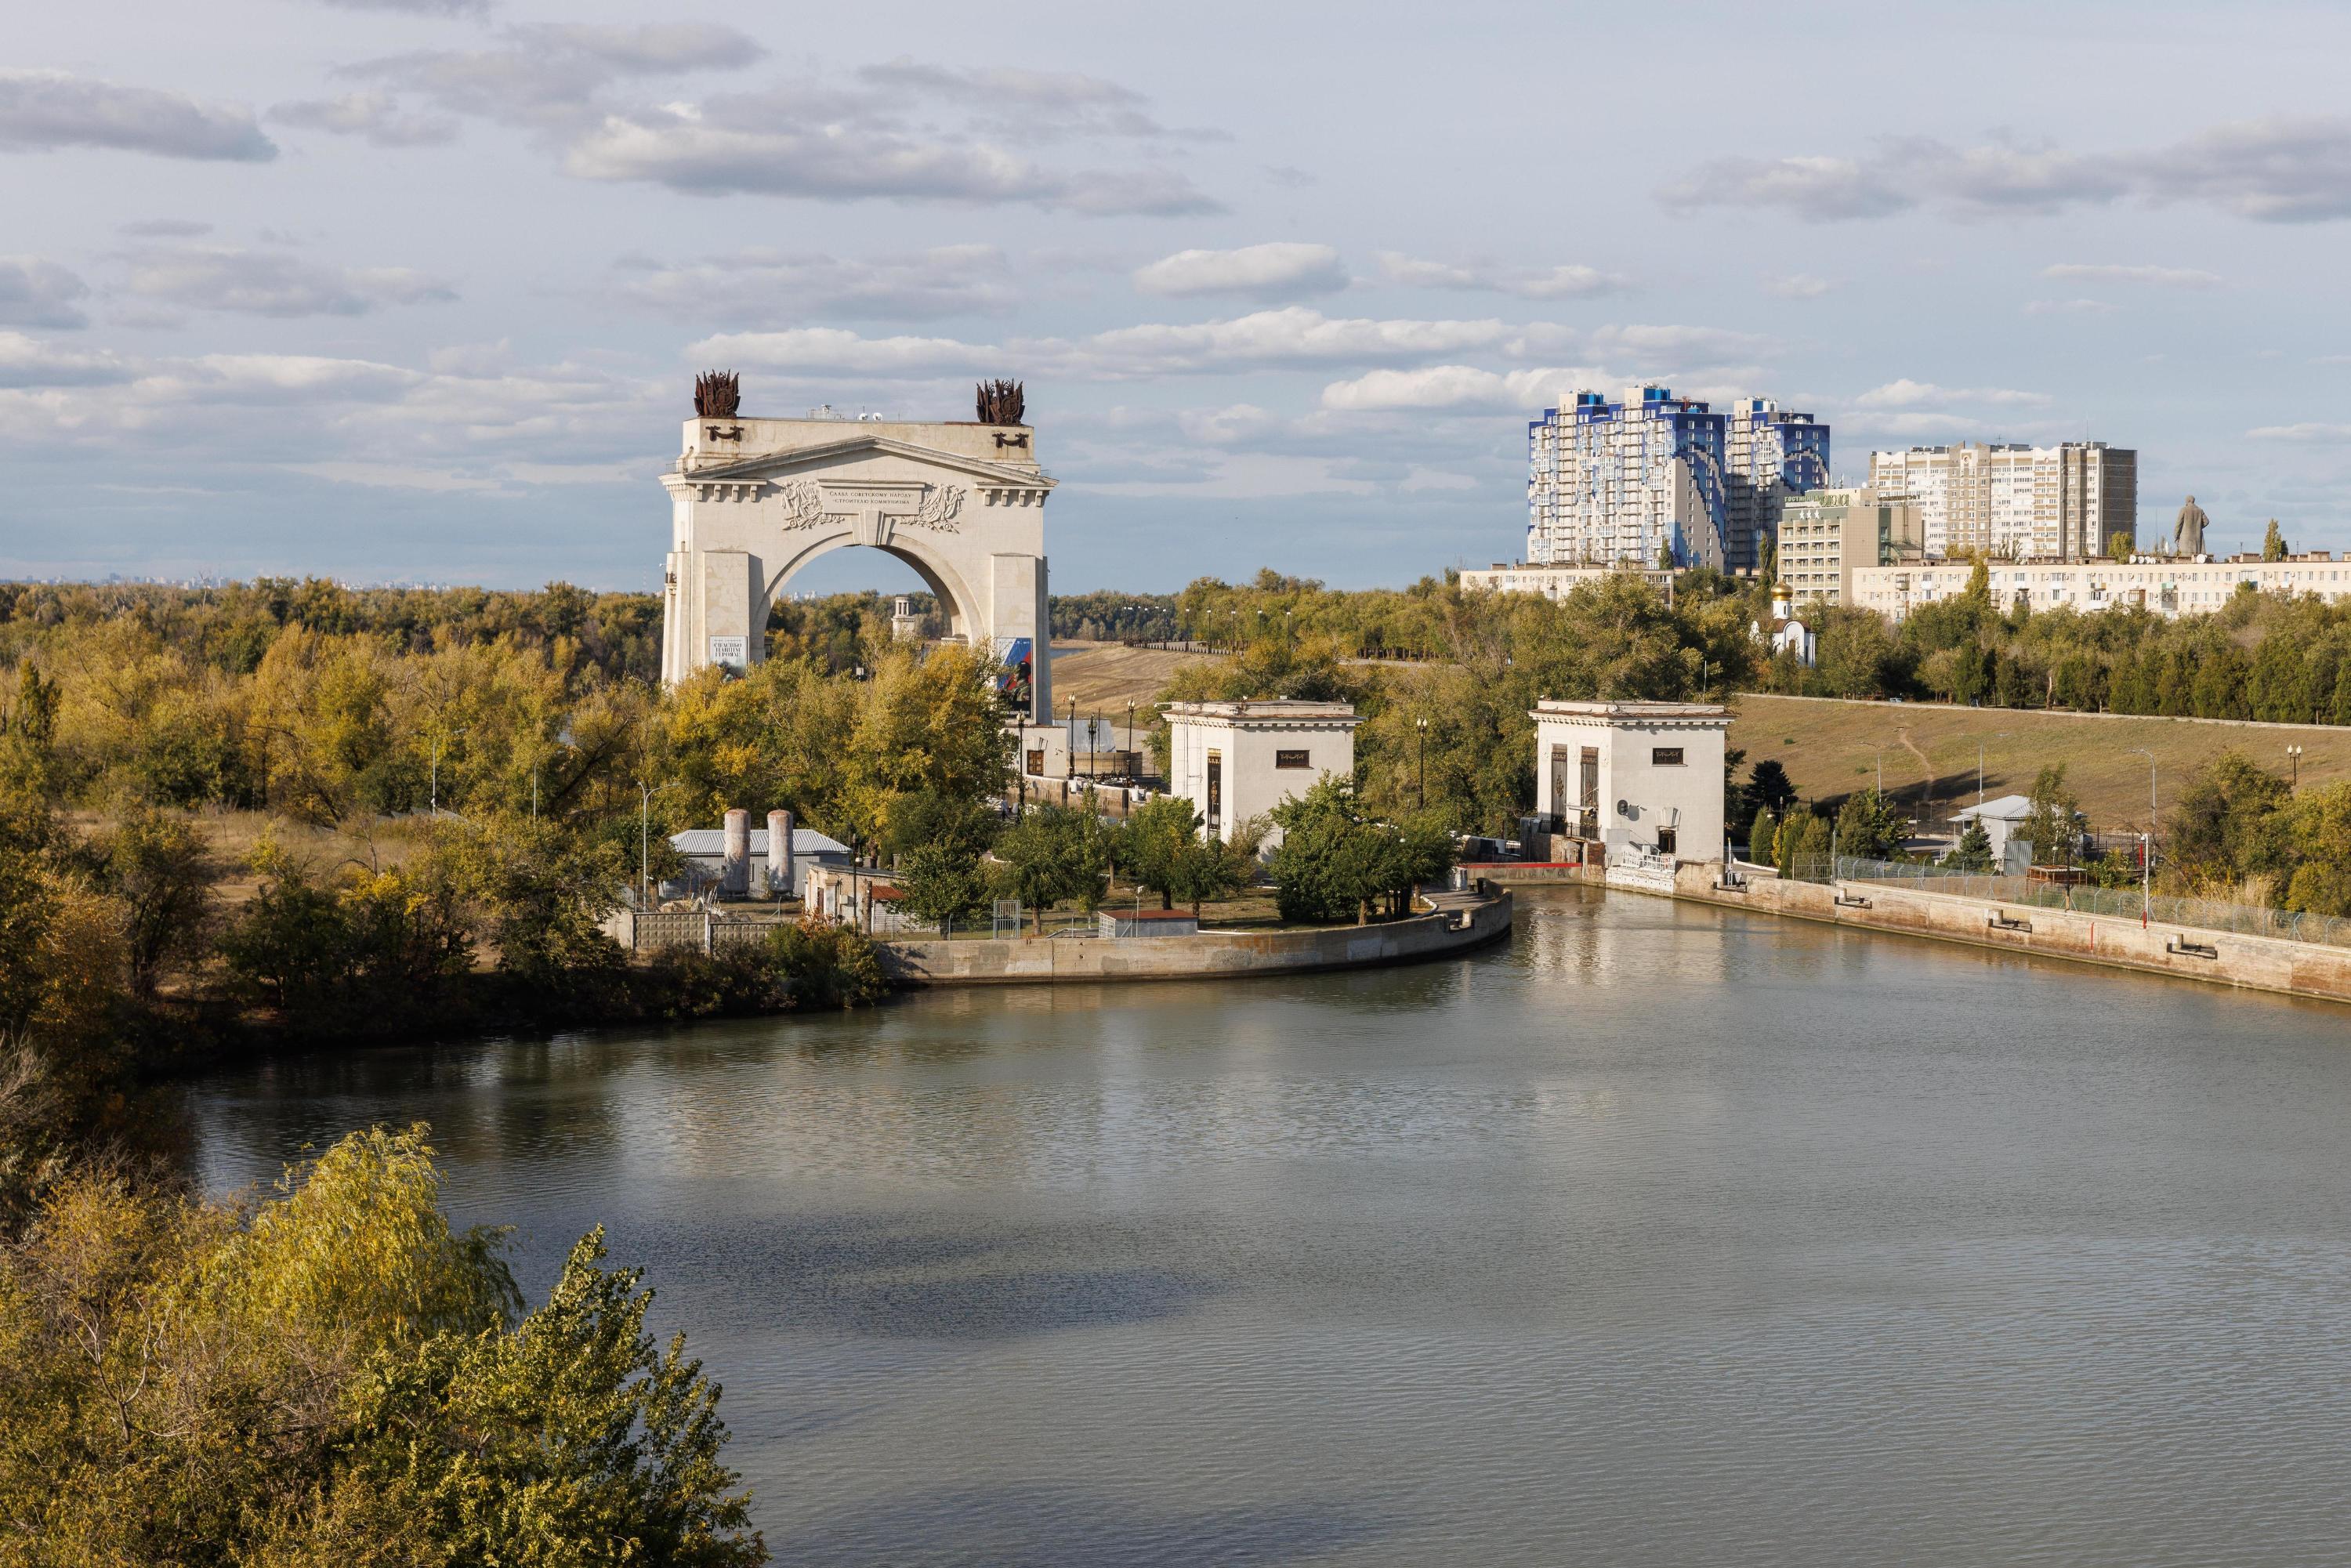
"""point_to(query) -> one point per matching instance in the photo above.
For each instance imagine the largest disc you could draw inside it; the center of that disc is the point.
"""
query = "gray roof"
(711, 842)
(2002, 808)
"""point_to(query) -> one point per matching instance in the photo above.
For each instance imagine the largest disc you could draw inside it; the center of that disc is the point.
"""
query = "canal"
(1662, 1233)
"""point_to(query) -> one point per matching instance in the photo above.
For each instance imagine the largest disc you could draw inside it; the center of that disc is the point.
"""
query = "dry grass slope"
(1106, 676)
(1831, 748)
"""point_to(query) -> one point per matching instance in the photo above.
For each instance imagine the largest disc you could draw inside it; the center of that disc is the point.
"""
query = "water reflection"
(1664, 1234)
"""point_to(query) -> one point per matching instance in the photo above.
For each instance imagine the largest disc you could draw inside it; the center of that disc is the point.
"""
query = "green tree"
(1870, 827)
(1043, 859)
(1973, 849)
(2230, 823)
(2053, 820)
(335, 1374)
(2272, 542)
(1803, 849)
(1154, 835)
(2121, 545)
(1770, 786)
(158, 868)
(1201, 868)
(1760, 835)
(943, 881)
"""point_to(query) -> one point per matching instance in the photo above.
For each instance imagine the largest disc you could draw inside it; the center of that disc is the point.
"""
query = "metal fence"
(2117, 903)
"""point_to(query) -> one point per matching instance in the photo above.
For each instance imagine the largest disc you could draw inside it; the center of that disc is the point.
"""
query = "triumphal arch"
(754, 500)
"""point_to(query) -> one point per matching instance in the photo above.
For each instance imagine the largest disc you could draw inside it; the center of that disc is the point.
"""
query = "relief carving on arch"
(938, 509)
(803, 504)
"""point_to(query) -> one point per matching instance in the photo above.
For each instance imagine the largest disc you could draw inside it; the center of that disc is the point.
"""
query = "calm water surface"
(1662, 1235)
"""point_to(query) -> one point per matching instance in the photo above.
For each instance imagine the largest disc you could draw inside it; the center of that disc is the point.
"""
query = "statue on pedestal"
(2188, 533)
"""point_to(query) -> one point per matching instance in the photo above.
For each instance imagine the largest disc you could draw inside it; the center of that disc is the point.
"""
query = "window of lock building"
(1666, 756)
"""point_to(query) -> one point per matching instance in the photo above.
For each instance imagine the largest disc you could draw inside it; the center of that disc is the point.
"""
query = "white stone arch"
(754, 501)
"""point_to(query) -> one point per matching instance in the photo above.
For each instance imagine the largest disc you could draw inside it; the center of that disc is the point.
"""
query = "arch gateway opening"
(752, 501)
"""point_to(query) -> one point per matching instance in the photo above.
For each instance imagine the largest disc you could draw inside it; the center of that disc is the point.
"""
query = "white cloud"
(416, 7)
(1565, 282)
(2276, 170)
(760, 286)
(1274, 271)
(2303, 433)
(30, 362)
(392, 476)
(37, 293)
(375, 116)
(1293, 336)
(1463, 387)
(820, 349)
(1908, 393)
(1653, 347)
(2157, 277)
(762, 147)
(2070, 307)
(42, 111)
(1797, 286)
(268, 283)
(825, 140)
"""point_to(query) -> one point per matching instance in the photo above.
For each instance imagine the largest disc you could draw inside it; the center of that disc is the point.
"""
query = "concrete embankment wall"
(2215, 958)
(1209, 955)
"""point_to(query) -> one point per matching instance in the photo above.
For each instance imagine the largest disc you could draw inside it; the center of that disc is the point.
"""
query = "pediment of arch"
(870, 458)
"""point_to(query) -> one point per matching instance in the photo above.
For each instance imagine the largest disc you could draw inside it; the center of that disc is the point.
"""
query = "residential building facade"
(1824, 535)
(1772, 456)
(2166, 585)
(1553, 582)
(2015, 501)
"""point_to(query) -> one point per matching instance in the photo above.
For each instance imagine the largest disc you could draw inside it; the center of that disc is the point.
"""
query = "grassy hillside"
(1831, 748)
(1106, 676)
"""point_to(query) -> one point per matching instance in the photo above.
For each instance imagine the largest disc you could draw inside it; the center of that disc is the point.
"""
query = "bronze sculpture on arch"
(1002, 403)
(717, 394)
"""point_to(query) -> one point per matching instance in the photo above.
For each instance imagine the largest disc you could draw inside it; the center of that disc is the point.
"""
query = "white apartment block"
(2167, 586)
(1552, 582)
(2015, 501)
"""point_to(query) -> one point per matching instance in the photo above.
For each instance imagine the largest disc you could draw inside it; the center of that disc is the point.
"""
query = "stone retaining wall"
(2216, 958)
(1209, 955)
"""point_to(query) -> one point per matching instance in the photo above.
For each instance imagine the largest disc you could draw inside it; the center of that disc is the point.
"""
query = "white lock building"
(1641, 780)
(1235, 760)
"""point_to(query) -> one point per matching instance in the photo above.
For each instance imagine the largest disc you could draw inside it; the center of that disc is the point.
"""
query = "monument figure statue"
(2188, 533)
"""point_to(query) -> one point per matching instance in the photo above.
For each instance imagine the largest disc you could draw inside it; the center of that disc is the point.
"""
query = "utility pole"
(2143, 751)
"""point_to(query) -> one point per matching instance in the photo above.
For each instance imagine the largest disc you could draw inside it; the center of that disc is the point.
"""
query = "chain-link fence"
(2117, 903)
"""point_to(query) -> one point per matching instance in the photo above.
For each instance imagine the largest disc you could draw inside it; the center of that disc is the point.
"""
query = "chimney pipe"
(735, 870)
(779, 853)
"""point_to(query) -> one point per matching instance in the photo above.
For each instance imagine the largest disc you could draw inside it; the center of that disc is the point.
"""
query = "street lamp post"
(2293, 753)
(2147, 852)
(645, 842)
(1420, 767)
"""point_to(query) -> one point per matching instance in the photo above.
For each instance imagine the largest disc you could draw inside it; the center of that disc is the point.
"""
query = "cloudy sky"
(414, 289)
